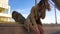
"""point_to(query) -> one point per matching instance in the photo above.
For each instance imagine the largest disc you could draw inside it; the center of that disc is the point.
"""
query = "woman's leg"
(40, 29)
(35, 29)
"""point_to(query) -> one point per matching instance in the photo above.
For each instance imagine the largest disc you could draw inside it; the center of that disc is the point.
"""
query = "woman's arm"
(32, 16)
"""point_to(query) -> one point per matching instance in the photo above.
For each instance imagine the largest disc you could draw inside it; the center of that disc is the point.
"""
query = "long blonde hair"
(43, 6)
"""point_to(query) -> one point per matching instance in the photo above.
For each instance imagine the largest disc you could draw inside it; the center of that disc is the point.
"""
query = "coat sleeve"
(32, 16)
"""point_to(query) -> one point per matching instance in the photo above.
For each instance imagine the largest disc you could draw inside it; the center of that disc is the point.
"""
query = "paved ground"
(52, 28)
(17, 29)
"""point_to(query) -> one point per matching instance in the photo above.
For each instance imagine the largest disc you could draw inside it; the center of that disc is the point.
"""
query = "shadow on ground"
(57, 32)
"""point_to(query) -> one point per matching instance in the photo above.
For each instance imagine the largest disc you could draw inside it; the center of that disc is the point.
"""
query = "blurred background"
(51, 23)
(24, 7)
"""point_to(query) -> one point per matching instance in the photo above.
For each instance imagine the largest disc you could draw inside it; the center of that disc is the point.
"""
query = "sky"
(24, 7)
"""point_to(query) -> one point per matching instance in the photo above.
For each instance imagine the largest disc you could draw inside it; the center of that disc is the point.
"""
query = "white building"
(4, 11)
